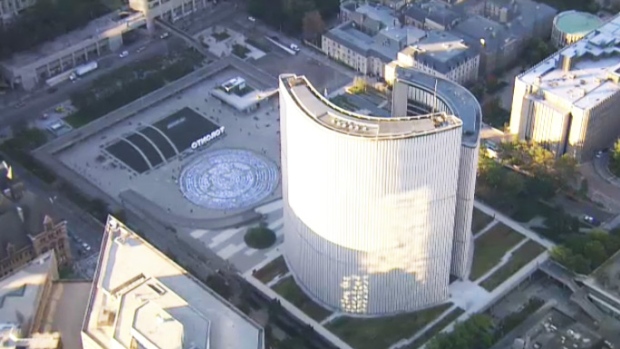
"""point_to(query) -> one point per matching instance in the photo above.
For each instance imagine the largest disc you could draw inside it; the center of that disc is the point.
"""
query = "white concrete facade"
(370, 203)
(568, 102)
(571, 26)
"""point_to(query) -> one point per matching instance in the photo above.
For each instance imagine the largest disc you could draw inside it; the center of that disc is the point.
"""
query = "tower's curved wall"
(369, 220)
(416, 91)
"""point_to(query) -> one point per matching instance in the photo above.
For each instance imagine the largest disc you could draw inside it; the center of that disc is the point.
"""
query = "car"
(294, 48)
(164, 35)
(591, 220)
(124, 54)
(86, 246)
(599, 154)
(140, 49)
(251, 19)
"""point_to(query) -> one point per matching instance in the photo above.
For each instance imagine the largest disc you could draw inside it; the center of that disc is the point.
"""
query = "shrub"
(260, 237)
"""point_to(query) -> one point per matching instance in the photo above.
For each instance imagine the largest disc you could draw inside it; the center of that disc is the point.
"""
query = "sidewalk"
(512, 224)
(298, 313)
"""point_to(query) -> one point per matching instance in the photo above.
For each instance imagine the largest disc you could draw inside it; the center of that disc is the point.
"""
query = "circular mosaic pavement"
(229, 179)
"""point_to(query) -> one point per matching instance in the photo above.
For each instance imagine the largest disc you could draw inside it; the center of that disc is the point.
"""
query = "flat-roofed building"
(23, 298)
(168, 10)
(568, 102)
(11, 8)
(571, 26)
(60, 56)
(142, 299)
(431, 15)
(369, 38)
(441, 54)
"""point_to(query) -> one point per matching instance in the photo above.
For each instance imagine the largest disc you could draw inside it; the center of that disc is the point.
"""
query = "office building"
(55, 60)
(431, 15)
(167, 10)
(27, 228)
(370, 38)
(37, 310)
(571, 26)
(568, 101)
(9, 9)
(142, 299)
(439, 53)
(377, 212)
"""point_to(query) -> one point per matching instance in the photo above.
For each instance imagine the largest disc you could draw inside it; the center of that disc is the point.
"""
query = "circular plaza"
(229, 179)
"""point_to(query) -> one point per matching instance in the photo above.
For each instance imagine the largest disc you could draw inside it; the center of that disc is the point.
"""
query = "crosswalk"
(229, 244)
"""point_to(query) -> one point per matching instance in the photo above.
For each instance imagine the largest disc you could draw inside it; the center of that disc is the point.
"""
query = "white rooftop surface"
(361, 125)
(597, 58)
(20, 291)
(158, 303)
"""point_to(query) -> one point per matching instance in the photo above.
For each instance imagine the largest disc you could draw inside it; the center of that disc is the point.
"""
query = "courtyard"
(191, 154)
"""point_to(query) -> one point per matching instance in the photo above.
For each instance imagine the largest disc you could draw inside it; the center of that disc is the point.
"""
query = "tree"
(565, 171)
(512, 183)
(313, 25)
(614, 159)
(476, 332)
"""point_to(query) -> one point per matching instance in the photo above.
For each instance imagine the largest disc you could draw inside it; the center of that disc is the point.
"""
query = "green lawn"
(288, 289)
(435, 329)
(381, 333)
(491, 247)
(479, 221)
(270, 271)
(523, 255)
(240, 51)
(221, 36)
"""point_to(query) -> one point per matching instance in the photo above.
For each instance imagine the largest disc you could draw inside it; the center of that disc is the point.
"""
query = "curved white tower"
(370, 202)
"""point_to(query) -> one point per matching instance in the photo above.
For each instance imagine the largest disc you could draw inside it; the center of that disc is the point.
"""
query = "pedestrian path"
(298, 313)
(513, 224)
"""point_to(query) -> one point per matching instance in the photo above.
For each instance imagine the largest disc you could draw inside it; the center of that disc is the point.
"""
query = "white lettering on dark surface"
(208, 138)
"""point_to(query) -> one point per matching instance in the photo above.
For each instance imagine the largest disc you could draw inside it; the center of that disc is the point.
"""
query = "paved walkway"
(298, 313)
(513, 224)
(502, 289)
(485, 229)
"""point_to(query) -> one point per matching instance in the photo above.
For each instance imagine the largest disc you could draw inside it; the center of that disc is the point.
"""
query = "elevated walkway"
(579, 296)
(190, 40)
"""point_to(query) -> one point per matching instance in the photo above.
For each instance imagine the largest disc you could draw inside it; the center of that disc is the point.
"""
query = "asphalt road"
(41, 100)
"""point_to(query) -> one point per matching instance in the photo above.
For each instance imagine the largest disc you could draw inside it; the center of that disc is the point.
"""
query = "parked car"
(124, 54)
(251, 19)
(591, 220)
(164, 35)
(141, 49)
(295, 48)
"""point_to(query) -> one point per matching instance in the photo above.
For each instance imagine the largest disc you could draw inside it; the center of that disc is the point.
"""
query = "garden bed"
(435, 329)
(491, 247)
(288, 289)
(272, 270)
(520, 257)
(381, 333)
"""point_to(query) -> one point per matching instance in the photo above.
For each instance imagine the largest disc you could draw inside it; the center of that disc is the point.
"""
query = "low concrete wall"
(129, 110)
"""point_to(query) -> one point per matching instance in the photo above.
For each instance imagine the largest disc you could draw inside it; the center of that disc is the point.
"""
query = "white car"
(295, 48)
(86, 246)
(164, 35)
(124, 54)
(251, 19)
